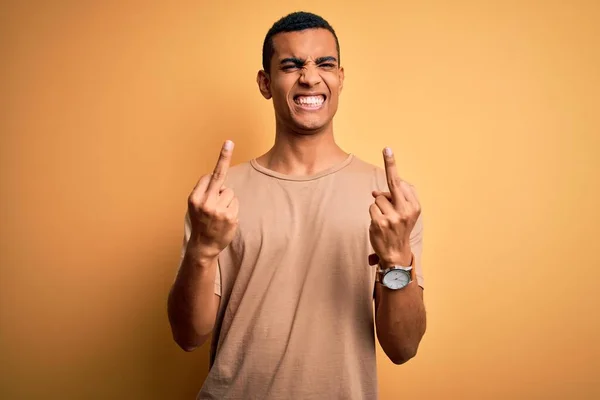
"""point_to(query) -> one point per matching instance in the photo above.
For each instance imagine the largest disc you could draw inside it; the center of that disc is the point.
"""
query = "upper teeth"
(311, 100)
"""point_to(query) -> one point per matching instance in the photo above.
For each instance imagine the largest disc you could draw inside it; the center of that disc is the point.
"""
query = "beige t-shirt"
(296, 316)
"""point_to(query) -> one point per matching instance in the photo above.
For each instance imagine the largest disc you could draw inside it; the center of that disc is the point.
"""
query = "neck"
(300, 154)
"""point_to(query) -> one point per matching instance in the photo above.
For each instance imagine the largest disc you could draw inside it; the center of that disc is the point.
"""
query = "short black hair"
(296, 21)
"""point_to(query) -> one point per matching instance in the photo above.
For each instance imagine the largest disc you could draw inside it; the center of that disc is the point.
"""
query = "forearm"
(192, 303)
(400, 321)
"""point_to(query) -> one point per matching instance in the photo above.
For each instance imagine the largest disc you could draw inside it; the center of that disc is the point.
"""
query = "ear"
(264, 84)
(341, 75)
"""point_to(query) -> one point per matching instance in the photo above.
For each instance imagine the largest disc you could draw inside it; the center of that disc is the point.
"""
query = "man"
(280, 259)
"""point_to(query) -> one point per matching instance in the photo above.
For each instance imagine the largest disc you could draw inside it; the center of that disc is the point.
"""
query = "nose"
(310, 76)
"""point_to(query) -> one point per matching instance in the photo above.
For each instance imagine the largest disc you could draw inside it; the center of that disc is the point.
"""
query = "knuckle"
(218, 175)
(194, 200)
(394, 219)
(191, 200)
(395, 181)
(204, 179)
(225, 154)
(220, 214)
(412, 209)
(207, 208)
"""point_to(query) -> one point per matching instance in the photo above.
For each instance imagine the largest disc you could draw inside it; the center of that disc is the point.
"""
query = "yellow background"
(110, 112)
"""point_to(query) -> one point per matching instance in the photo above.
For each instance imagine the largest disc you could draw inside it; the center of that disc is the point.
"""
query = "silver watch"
(395, 277)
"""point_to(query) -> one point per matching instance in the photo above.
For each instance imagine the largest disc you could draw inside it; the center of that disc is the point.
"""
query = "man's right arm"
(210, 228)
(192, 303)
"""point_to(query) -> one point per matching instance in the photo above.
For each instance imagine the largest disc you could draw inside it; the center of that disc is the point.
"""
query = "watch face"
(396, 279)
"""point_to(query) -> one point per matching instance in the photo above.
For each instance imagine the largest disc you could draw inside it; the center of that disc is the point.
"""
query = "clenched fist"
(393, 216)
(213, 208)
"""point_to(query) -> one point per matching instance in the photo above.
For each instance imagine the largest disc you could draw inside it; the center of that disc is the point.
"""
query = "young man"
(284, 254)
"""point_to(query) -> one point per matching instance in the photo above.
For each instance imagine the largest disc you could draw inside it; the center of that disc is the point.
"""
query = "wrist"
(404, 259)
(201, 253)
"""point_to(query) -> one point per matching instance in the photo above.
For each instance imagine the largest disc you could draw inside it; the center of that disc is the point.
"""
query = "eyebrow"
(299, 61)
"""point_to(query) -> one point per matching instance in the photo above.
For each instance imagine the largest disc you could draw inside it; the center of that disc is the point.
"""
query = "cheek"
(280, 99)
(280, 94)
(334, 84)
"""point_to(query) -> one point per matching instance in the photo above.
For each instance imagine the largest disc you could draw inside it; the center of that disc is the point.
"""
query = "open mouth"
(312, 102)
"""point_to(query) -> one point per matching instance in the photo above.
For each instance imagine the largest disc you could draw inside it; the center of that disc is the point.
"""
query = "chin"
(310, 127)
(304, 124)
(311, 124)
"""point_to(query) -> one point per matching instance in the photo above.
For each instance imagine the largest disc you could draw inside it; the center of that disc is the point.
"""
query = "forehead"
(309, 43)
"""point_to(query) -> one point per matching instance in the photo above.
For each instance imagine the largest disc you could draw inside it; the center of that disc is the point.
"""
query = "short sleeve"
(416, 245)
(218, 280)
(187, 230)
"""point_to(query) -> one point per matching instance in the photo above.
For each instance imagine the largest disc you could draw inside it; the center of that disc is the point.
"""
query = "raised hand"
(393, 216)
(213, 208)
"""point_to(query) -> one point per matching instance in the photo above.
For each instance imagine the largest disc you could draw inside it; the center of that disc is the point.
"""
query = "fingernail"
(228, 145)
(388, 152)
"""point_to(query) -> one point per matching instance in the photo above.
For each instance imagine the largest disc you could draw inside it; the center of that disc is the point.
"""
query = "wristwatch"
(395, 277)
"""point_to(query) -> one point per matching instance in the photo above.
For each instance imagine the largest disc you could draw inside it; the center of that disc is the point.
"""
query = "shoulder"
(377, 172)
(359, 166)
(374, 173)
(238, 174)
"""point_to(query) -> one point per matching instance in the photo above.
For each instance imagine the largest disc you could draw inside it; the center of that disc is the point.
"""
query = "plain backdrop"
(110, 111)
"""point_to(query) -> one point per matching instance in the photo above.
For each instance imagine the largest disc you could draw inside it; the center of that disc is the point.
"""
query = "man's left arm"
(400, 316)
(396, 234)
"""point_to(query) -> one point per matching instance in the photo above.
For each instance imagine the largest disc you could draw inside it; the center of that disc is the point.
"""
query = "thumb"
(377, 193)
